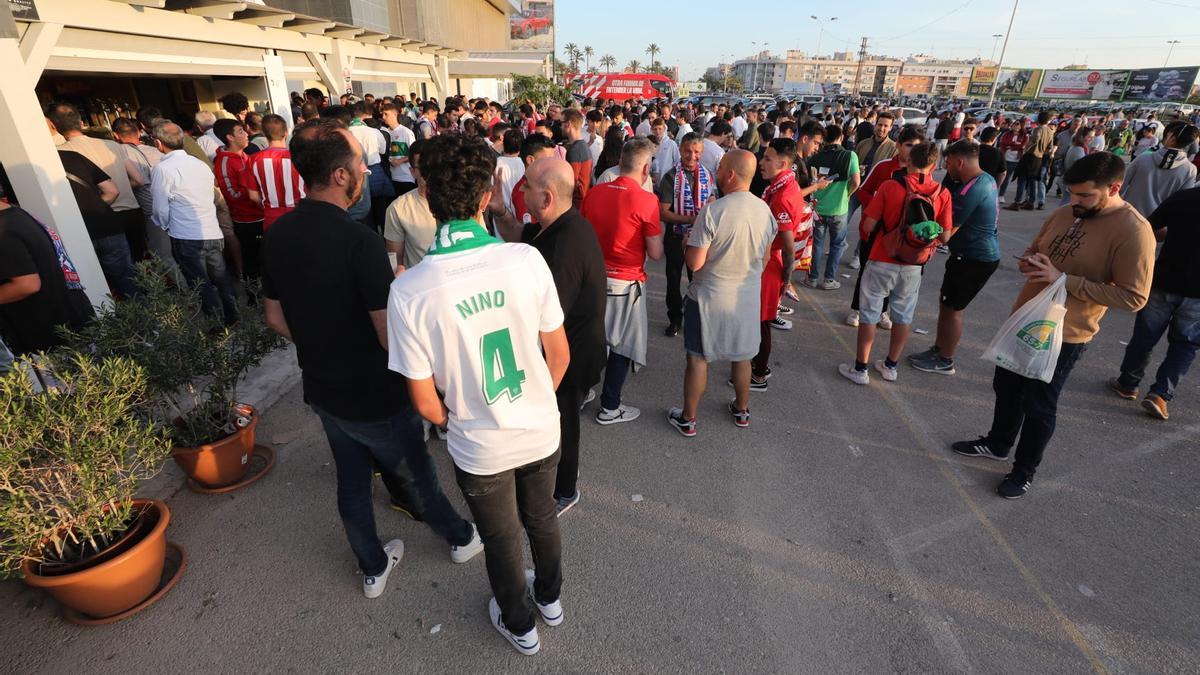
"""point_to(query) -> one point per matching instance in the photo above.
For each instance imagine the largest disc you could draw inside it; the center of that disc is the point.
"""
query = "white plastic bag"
(1029, 342)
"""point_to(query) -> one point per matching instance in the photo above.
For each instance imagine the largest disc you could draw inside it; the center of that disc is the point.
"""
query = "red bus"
(623, 86)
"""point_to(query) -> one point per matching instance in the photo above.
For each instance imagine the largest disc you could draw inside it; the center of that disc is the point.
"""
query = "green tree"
(715, 82)
(588, 52)
(572, 55)
(653, 49)
(607, 62)
(633, 66)
(539, 90)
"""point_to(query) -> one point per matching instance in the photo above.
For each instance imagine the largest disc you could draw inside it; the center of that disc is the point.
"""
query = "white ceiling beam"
(307, 25)
(347, 32)
(258, 18)
(157, 4)
(216, 10)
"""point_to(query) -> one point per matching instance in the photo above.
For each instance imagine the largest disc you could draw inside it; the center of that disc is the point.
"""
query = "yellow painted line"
(1064, 621)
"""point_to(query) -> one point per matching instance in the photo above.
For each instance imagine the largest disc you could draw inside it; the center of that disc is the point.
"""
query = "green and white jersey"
(470, 316)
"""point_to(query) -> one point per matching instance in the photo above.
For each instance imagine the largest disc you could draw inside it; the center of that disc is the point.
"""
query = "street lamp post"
(1169, 50)
(820, 31)
(1000, 64)
(995, 41)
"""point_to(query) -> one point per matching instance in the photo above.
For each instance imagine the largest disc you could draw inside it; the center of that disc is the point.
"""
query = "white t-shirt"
(471, 320)
(711, 156)
(596, 146)
(371, 141)
(508, 171)
(402, 140)
(739, 126)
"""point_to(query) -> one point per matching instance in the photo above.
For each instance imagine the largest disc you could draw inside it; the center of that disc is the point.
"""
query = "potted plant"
(193, 366)
(74, 445)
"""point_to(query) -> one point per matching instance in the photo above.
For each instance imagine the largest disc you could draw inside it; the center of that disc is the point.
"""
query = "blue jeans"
(1179, 318)
(1032, 189)
(835, 228)
(1011, 170)
(394, 445)
(614, 380)
(202, 262)
(117, 263)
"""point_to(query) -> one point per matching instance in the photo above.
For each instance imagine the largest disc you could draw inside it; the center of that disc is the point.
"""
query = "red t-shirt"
(623, 214)
(787, 205)
(518, 202)
(232, 173)
(888, 202)
(273, 176)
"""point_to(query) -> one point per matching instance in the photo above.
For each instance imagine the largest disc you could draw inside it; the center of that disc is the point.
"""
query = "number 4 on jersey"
(500, 372)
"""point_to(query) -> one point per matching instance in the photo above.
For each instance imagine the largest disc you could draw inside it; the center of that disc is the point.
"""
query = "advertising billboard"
(532, 28)
(981, 81)
(1160, 84)
(1014, 82)
(1085, 85)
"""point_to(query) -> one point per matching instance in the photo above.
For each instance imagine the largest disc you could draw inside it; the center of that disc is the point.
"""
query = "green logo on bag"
(1038, 334)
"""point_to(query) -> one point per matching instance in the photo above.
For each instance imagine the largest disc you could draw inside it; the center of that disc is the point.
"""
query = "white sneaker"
(855, 376)
(552, 613)
(461, 554)
(852, 318)
(889, 374)
(830, 285)
(885, 321)
(373, 586)
(591, 396)
(623, 413)
(528, 644)
(1002, 200)
(854, 263)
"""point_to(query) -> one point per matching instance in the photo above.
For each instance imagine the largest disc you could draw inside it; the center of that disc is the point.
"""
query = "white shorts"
(899, 283)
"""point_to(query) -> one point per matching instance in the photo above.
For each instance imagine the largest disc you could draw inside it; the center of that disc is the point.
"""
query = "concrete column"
(277, 91)
(32, 163)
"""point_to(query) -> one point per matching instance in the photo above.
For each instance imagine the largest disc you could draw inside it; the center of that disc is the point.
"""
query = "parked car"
(530, 23)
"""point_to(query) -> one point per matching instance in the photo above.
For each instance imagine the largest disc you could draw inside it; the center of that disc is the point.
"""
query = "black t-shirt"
(944, 129)
(573, 254)
(1176, 270)
(98, 216)
(991, 160)
(28, 325)
(328, 271)
(863, 131)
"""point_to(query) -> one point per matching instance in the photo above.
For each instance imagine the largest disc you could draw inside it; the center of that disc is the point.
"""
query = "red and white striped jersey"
(274, 177)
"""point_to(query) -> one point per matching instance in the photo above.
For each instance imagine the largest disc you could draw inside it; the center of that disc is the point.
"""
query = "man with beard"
(1106, 250)
(325, 283)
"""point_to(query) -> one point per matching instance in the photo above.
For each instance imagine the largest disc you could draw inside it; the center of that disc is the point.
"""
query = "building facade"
(798, 72)
(943, 79)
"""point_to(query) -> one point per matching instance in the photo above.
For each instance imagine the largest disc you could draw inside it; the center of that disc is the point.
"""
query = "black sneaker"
(685, 427)
(784, 310)
(925, 355)
(1014, 486)
(564, 504)
(672, 330)
(755, 385)
(980, 447)
(938, 364)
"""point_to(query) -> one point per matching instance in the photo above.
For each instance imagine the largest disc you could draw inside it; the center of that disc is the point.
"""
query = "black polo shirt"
(29, 324)
(328, 271)
(573, 254)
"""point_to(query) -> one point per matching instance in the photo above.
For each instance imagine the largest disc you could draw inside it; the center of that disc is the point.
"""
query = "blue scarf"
(687, 201)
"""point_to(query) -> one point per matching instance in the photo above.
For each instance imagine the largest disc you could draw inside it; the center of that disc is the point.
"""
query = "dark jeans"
(202, 262)
(506, 506)
(1030, 408)
(250, 236)
(394, 445)
(1032, 189)
(1008, 176)
(116, 263)
(761, 361)
(1177, 316)
(134, 224)
(673, 252)
(614, 380)
(569, 400)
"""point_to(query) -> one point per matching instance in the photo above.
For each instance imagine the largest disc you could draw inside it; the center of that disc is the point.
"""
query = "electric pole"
(862, 56)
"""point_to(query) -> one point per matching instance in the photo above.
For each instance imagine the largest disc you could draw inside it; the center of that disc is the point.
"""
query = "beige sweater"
(1109, 262)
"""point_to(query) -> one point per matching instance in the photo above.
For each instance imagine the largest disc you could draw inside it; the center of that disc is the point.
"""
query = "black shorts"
(692, 340)
(964, 279)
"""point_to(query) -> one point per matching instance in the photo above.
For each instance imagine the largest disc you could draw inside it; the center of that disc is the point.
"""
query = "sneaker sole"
(1153, 410)
(936, 371)
(976, 454)
(765, 387)
(616, 420)
(1014, 496)
(497, 623)
(681, 430)
(569, 506)
(778, 327)
(1123, 394)
(548, 620)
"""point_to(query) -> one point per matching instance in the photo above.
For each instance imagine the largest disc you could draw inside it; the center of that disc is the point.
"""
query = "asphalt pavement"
(838, 534)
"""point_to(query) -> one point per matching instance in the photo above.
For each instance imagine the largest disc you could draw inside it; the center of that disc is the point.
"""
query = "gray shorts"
(898, 283)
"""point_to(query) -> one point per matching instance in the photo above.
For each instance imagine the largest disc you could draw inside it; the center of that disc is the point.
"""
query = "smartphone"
(392, 260)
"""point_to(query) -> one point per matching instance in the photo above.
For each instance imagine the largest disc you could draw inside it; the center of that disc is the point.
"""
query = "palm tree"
(653, 50)
(587, 56)
(572, 49)
(607, 62)
(633, 66)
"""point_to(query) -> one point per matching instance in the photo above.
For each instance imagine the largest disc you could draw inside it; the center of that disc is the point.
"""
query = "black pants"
(761, 362)
(506, 506)
(863, 254)
(1029, 408)
(133, 224)
(673, 252)
(569, 399)
(250, 236)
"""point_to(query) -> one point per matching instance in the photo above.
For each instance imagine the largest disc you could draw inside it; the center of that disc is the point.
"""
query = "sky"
(698, 34)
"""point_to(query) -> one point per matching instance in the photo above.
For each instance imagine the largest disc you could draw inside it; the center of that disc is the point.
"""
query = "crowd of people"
(481, 271)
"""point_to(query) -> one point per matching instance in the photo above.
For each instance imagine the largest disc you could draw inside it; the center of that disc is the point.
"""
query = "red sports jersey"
(518, 202)
(273, 176)
(231, 169)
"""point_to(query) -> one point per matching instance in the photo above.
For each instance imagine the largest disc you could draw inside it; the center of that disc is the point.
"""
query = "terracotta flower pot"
(119, 583)
(221, 463)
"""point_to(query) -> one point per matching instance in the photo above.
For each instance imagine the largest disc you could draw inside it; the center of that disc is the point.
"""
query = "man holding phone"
(840, 167)
(1106, 250)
